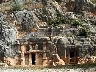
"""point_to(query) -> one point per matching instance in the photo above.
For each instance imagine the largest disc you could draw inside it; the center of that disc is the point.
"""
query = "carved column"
(37, 60)
(44, 46)
(44, 49)
(65, 54)
(30, 59)
(44, 54)
(23, 59)
(23, 48)
(22, 55)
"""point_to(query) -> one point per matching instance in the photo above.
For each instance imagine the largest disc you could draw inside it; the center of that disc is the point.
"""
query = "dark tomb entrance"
(73, 57)
(33, 58)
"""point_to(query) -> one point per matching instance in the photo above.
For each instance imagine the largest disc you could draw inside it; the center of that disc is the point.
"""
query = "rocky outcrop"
(79, 5)
(7, 38)
(21, 23)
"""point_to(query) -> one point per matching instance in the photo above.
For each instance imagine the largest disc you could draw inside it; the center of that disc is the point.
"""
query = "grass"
(85, 66)
(22, 67)
(74, 66)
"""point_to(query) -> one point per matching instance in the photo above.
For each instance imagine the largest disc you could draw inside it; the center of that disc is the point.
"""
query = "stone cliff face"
(7, 36)
(16, 24)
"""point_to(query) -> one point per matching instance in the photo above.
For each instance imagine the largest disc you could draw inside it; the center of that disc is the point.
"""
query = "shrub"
(84, 32)
(16, 5)
(58, 21)
(54, 22)
(64, 21)
(83, 66)
(76, 23)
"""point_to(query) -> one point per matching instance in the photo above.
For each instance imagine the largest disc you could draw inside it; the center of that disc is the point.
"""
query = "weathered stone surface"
(7, 38)
(60, 38)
